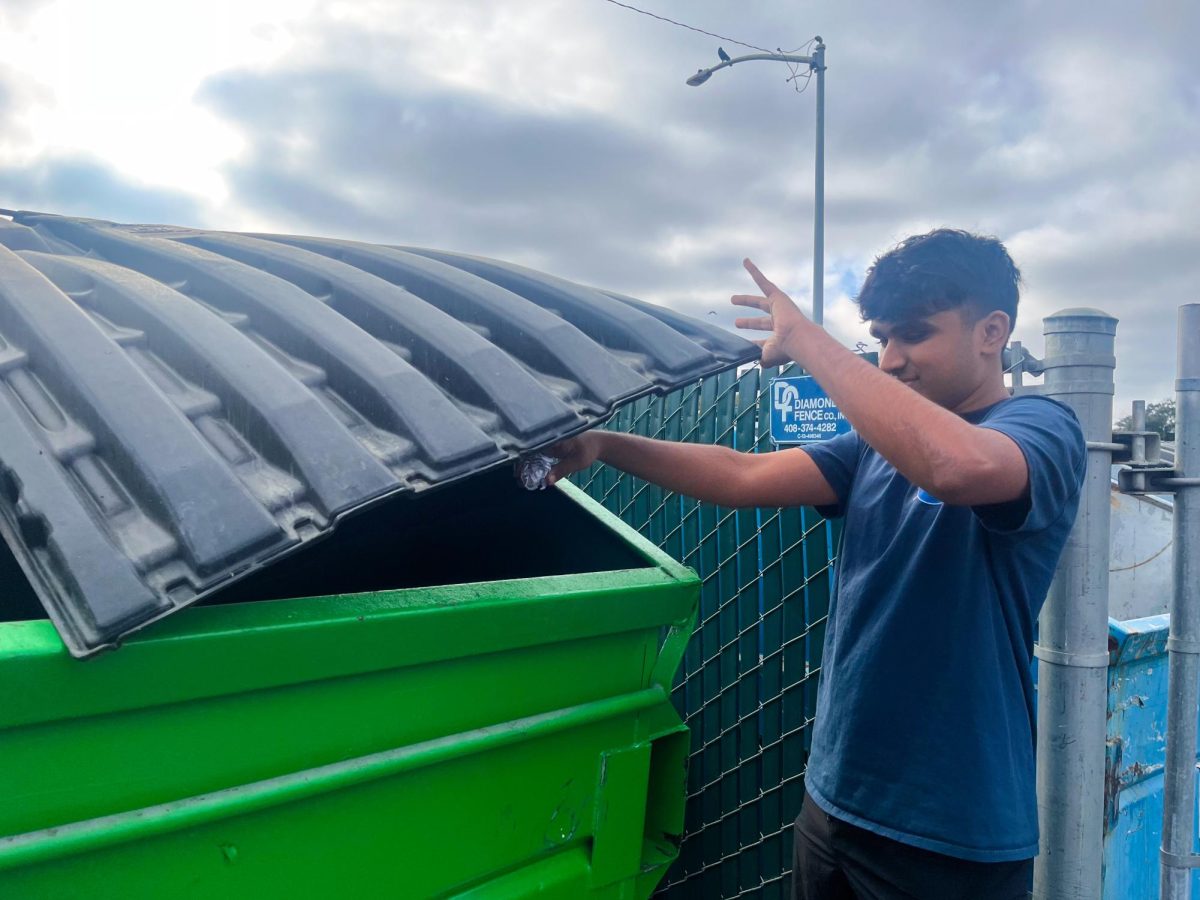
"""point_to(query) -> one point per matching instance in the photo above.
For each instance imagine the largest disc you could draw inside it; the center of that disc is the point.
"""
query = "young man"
(957, 501)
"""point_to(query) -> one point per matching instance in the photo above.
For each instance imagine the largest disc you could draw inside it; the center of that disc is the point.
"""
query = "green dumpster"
(509, 735)
(276, 619)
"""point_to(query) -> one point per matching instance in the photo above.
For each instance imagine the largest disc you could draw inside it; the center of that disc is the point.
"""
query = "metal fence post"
(1183, 645)
(1072, 648)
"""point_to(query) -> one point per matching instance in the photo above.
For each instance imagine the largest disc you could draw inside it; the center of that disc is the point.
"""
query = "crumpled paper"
(534, 469)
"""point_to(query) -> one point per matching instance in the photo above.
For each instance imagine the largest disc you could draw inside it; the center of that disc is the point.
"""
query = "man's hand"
(783, 318)
(574, 455)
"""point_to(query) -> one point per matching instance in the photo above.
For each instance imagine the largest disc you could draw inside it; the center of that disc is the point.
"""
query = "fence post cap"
(1080, 318)
(1081, 312)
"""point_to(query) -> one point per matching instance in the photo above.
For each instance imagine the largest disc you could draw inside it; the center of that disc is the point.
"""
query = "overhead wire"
(796, 75)
(722, 37)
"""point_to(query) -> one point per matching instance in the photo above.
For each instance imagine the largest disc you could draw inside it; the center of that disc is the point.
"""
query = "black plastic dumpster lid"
(179, 408)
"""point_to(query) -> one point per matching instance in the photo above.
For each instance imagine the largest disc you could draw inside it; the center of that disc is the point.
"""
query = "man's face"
(938, 356)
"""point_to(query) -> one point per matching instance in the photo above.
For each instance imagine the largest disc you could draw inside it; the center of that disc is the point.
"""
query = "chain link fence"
(748, 686)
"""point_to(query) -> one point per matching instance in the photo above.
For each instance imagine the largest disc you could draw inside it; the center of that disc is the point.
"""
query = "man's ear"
(993, 331)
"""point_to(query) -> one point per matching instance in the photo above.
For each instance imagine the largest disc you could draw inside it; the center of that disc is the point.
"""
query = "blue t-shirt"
(924, 730)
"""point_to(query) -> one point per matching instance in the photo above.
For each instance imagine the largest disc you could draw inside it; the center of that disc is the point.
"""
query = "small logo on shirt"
(925, 497)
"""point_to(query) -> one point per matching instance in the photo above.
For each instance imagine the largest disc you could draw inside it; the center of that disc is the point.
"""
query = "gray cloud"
(573, 193)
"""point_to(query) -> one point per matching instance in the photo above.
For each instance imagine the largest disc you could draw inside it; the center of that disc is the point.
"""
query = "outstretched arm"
(710, 473)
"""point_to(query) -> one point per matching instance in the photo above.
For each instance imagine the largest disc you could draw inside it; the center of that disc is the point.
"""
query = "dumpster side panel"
(81, 768)
(512, 738)
(1137, 710)
(374, 827)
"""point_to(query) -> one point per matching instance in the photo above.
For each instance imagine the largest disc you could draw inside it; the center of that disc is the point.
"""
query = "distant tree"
(1160, 417)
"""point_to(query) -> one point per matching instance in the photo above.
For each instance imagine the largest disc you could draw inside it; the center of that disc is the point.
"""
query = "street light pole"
(816, 65)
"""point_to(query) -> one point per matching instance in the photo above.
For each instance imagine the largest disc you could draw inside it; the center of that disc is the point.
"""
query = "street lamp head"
(700, 77)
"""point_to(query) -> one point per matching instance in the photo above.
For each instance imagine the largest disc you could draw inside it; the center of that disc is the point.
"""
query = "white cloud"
(116, 81)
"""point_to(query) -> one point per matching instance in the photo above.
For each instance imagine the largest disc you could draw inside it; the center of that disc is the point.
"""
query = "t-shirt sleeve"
(837, 458)
(1049, 435)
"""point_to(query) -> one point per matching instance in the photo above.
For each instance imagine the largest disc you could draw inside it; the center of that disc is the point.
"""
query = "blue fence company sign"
(802, 413)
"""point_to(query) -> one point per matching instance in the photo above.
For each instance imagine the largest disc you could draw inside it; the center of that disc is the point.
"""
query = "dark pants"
(834, 860)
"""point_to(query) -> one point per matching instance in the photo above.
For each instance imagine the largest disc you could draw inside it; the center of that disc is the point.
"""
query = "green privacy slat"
(725, 581)
(672, 540)
(688, 525)
(659, 499)
(749, 821)
(706, 561)
(628, 487)
(621, 485)
(612, 478)
(714, 677)
(644, 425)
(649, 501)
(794, 573)
(744, 409)
(796, 675)
(817, 552)
(726, 576)
(773, 813)
(689, 536)
(612, 492)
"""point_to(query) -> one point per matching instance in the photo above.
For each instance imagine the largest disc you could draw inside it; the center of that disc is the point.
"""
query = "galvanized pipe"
(1016, 366)
(1137, 450)
(818, 66)
(1072, 646)
(1183, 645)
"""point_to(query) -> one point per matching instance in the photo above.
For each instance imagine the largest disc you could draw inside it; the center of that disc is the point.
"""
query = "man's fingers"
(764, 284)
(756, 323)
(751, 300)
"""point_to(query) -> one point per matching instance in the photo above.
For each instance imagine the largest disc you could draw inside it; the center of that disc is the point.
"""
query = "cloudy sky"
(560, 134)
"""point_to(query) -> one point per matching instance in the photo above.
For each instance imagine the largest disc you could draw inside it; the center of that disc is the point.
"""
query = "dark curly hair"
(944, 269)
